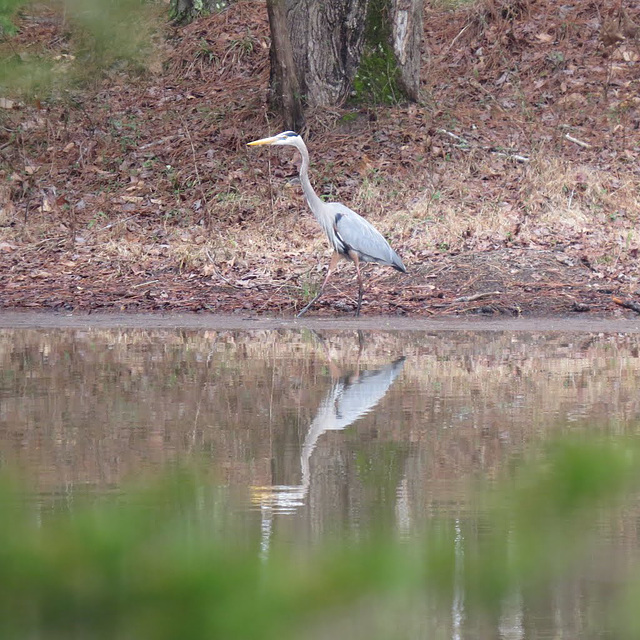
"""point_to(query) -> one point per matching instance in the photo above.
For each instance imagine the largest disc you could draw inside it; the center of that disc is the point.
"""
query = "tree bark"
(327, 39)
(406, 40)
(318, 45)
(285, 93)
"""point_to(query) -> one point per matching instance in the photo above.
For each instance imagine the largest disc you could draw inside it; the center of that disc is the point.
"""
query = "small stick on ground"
(198, 180)
(627, 304)
(580, 143)
(465, 145)
(213, 264)
(477, 296)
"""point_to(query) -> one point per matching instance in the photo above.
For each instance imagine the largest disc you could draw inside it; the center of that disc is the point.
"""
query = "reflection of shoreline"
(98, 408)
(350, 398)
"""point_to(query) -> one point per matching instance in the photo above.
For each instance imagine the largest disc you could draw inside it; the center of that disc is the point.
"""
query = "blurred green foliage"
(376, 79)
(183, 12)
(109, 31)
(8, 9)
(155, 564)
(97, 36)
(32, 76)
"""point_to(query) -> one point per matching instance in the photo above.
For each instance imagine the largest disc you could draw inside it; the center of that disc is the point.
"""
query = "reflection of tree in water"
(349, 398)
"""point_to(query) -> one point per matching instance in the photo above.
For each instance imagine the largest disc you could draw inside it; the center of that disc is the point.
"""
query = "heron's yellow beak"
(256, 143)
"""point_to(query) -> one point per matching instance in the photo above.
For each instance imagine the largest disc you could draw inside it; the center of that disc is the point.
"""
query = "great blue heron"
(350, 235)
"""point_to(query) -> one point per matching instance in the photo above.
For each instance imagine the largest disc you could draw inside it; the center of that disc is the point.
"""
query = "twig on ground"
(455, 137)
(56, 239)
(213, 264)
(199, 181)
(627, 304)
(477, 296)
(580, 143)
(113, 224)
(513, 156)
(465, 144)
(143, 284)
(160, 141)
(466, 26)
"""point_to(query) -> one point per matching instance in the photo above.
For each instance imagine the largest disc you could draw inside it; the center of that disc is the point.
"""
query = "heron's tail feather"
(396, 263)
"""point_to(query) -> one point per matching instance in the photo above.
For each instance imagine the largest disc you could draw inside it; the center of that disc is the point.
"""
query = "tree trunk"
(406, 39)
(327, 39)
(285, 94)
(333, 41)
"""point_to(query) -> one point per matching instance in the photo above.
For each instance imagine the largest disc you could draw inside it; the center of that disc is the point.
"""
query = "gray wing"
(361, 236)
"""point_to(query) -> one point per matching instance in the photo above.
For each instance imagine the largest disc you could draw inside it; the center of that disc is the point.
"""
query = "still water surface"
(313, 435)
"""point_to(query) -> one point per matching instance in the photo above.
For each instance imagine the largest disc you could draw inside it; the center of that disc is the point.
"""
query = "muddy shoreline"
(236, 322)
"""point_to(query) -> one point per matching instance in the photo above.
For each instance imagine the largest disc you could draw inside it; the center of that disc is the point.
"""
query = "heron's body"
(353, 233)
(350, 235)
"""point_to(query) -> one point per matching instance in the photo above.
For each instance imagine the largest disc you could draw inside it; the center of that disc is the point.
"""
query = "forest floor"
(512, 187)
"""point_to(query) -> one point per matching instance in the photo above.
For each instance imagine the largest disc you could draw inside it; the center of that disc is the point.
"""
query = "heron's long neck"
(312, 198)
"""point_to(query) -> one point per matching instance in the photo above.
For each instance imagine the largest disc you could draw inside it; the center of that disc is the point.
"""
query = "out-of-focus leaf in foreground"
(156, 563)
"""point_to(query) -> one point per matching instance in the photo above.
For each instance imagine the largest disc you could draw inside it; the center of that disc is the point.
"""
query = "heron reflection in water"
(349, 398)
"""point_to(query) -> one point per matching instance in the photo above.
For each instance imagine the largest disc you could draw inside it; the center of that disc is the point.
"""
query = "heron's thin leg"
(354, 256)
(332, 265)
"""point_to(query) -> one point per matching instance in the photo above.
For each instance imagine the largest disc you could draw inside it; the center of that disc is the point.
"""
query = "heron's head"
(290, 138)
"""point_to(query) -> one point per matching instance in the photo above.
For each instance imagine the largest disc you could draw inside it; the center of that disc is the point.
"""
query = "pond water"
(312, 435)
